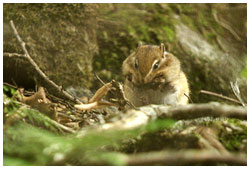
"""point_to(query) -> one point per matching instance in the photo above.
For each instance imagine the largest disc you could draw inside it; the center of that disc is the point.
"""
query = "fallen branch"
(136, 118)
(185, 158)
(44, 80)
(192, 111)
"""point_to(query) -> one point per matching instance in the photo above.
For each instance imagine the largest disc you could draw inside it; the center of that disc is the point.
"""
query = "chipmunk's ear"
(162, 48)
(139, 45)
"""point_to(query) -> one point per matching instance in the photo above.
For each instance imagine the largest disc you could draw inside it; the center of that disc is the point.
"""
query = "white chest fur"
(141, 96)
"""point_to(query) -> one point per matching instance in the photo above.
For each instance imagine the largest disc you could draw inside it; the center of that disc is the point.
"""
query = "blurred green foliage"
(243, 73)
(9, 90)
(25, 144)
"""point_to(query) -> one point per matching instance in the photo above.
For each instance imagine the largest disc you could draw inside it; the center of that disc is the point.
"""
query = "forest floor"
(47, 123)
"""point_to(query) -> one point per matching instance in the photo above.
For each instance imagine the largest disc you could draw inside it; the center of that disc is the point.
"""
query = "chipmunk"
(154, 76)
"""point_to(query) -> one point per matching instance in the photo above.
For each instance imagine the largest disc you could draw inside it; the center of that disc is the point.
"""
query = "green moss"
(243, 73)
(235, 140)
(200, 19)
(189, 22)
(238, 123)
(211, 37)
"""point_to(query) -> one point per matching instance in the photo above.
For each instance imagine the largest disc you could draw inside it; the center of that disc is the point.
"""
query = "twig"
(59, 100)
(98, 78)
(74, 118)
(107, 85)
(236, 91)
(13, 55)
(15, 87)
(7, 84)
(185, 158)
(52, 87)
(120, 89)
(188, 98)
(63, 127)
(220, 96)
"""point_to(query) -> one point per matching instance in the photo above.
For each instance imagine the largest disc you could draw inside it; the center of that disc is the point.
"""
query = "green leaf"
(15, 161)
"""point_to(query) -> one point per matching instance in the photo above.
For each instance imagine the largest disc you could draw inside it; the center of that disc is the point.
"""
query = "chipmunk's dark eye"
(156, 65)
(136, 64)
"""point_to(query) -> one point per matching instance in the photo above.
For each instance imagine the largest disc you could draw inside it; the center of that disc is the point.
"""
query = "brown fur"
(139, 72)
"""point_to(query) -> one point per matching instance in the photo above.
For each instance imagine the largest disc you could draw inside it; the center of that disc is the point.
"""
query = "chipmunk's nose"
(146, 80)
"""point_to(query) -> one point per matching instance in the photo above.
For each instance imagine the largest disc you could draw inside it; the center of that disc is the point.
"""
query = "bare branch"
(13, 55)
(7, 84)
(45, 81)
(220, 96)
(65, 128)
(98, 78)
